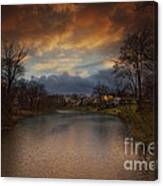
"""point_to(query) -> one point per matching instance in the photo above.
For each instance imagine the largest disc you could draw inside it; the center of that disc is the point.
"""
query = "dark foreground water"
(67, 145)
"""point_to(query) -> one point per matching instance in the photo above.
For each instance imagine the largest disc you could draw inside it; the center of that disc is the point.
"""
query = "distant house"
(67, 99)
(110, 100)
(116, 101)
(107, 98)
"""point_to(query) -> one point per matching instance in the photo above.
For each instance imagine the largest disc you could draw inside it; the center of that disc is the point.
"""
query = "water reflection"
(60, 128)
(101, 131)
(73, 145)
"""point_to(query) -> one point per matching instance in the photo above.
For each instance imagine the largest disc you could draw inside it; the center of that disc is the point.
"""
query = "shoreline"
(128, 114)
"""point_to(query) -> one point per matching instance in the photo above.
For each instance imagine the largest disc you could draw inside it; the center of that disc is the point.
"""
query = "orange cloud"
(43, 28)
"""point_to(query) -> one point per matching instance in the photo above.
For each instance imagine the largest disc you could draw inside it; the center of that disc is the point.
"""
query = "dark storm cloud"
(67, 84)
(80, 39)
(101, 23)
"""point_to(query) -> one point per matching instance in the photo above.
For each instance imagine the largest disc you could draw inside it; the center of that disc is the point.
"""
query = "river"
(66, 144)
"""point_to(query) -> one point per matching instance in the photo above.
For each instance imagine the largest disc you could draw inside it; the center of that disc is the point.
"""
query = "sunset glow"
(79, 39)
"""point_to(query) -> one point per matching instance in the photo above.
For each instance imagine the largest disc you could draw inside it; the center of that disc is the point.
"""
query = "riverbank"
(139, 123)
(20, 115)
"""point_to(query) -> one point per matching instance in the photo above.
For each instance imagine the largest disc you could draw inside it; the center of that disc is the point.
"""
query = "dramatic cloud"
(67, 84)
(78, 39)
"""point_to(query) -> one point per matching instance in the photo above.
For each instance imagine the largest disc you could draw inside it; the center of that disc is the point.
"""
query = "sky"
(79, 40)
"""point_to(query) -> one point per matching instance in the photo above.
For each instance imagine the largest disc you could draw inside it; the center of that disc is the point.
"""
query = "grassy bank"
(18, 115)
(140, 124)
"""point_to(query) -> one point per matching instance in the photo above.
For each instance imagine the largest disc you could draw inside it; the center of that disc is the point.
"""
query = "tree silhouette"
(12, 56)
(136, 57)
(12, 68)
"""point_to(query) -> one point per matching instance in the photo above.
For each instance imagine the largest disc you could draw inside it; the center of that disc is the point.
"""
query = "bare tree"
(12, 68)
(12, 56)
(99, 91)
(136, 55)
(36, 92)
(125, 79)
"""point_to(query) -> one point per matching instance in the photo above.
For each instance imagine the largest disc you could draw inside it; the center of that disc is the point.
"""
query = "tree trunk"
(139, 84)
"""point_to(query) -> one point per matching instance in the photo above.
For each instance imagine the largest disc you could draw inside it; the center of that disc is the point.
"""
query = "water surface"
(66, 144)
